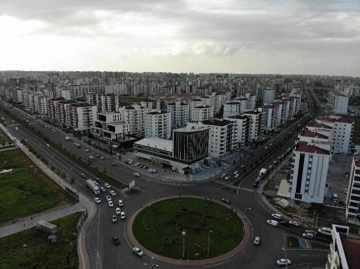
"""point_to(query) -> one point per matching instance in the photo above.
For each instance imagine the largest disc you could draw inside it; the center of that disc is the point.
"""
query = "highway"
(102, 252)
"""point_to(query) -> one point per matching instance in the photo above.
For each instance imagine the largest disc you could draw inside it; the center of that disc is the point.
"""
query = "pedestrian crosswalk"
(246, 189)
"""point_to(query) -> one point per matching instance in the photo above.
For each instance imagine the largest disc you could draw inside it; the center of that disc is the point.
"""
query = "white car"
(276, 216)
(236, 172)
(102, 189)
(107, 185)
(138, 251)
(136, 174)
(257, 240)
(121, 203)
(108, 198)
(282, 262)
(308, 235)
(112, 192)
(114, 219)
(122, 215)
(295, 223)
(118, 211)
(110, 203)
(236, 176)
(97, 200)
(273, 222)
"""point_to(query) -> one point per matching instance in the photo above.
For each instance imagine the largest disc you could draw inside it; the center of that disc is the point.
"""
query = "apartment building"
(235, 107)
(104, 103)
(342, 132)
(222, 137)
(270, 119)
(242, 128)
(135, 116)
(339, 103)
(110, 126)
(158, 124)
(255, 127)
(344, 249)
(180, 114)
(268, 96)
(81, 116)
(309, 170)
(353, 195)
(201, 113)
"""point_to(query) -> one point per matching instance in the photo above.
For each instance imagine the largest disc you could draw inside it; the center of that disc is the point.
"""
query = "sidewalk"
(30, 221)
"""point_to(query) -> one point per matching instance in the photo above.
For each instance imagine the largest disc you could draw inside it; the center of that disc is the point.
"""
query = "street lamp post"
(183, 235)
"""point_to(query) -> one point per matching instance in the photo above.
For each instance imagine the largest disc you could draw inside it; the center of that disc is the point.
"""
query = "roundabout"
(189, 230)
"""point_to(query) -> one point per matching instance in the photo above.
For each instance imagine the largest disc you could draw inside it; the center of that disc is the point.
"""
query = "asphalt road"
(104, 254)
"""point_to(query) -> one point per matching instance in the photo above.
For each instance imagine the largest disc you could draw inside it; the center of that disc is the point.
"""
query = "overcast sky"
(222, 36)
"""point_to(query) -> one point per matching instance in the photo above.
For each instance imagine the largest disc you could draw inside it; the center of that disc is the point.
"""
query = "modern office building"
(110, 126)
(309, 170)
(353, 195)
(191, 143)
(158, 124)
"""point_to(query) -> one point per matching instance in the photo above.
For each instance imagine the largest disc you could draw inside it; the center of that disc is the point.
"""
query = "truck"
(262, 172)
(93, 186)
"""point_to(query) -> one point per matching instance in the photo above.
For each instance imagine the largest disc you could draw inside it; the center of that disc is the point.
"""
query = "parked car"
(114, 219)
(112, 192)
(97, 200)
(283, 262)
(138, 251)
(308, 235)
(136, 174)
(102, 189)
(295, 223)
(121, 203)
(116, 240)
(118, 211)
(276, 216)
(236, 172)
(257, 240)
(82, 175)
(110, 203)
(273, 222)
(122, 215)
(225, 200)
(107, 185)
(108, 198)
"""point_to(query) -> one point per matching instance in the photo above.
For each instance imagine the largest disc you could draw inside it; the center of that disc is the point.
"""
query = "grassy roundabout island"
(188, 228)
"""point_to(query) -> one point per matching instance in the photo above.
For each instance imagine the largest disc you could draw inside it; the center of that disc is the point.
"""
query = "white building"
(110, 126)
(222, 137)
(353, 195)
(234, 108)
(180, 114)
(339, 103)
(342, 131)
(135, 116)
(344, 249)
(268, 96)
(105, 103)
(201, 113)
(254, 124)
(309, 170)
(158, 124)
(242, 128)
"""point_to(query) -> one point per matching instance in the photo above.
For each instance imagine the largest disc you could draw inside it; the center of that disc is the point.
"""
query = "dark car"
(116, 240)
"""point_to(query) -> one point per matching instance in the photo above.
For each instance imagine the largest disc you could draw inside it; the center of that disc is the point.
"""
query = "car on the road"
(136, 174)
(114, 219)
(283, 262)
(273, 222)
(227, 177)
(112, 192)
(116, 240)
(255, 184)
(82, 175)
(122, 215)
(97, 200)
(102, 158)
(257, 240)
(121, 203)
(107, 185)
(118, 211)
(225, 200)
(295, 223)
(308, 235)
(138, 251)
(276, 216)
(87, 150)
(48, 145)
(110, 203)
(108, 198)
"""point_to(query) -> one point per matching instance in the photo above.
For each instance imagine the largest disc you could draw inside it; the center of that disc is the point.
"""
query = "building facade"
(158, 124)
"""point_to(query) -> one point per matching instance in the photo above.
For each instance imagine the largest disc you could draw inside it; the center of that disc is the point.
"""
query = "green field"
(30, 249)
(211, 228)
(27, 190)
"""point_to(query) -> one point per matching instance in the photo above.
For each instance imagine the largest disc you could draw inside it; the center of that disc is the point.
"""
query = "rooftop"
(310, 148)
(351, 247)
(333, 118)
(216, 122)
(158, 143)
(309, 133)
(320, 125)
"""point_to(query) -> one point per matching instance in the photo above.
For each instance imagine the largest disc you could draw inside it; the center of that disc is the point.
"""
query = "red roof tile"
(310, 148)
(309, 133)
